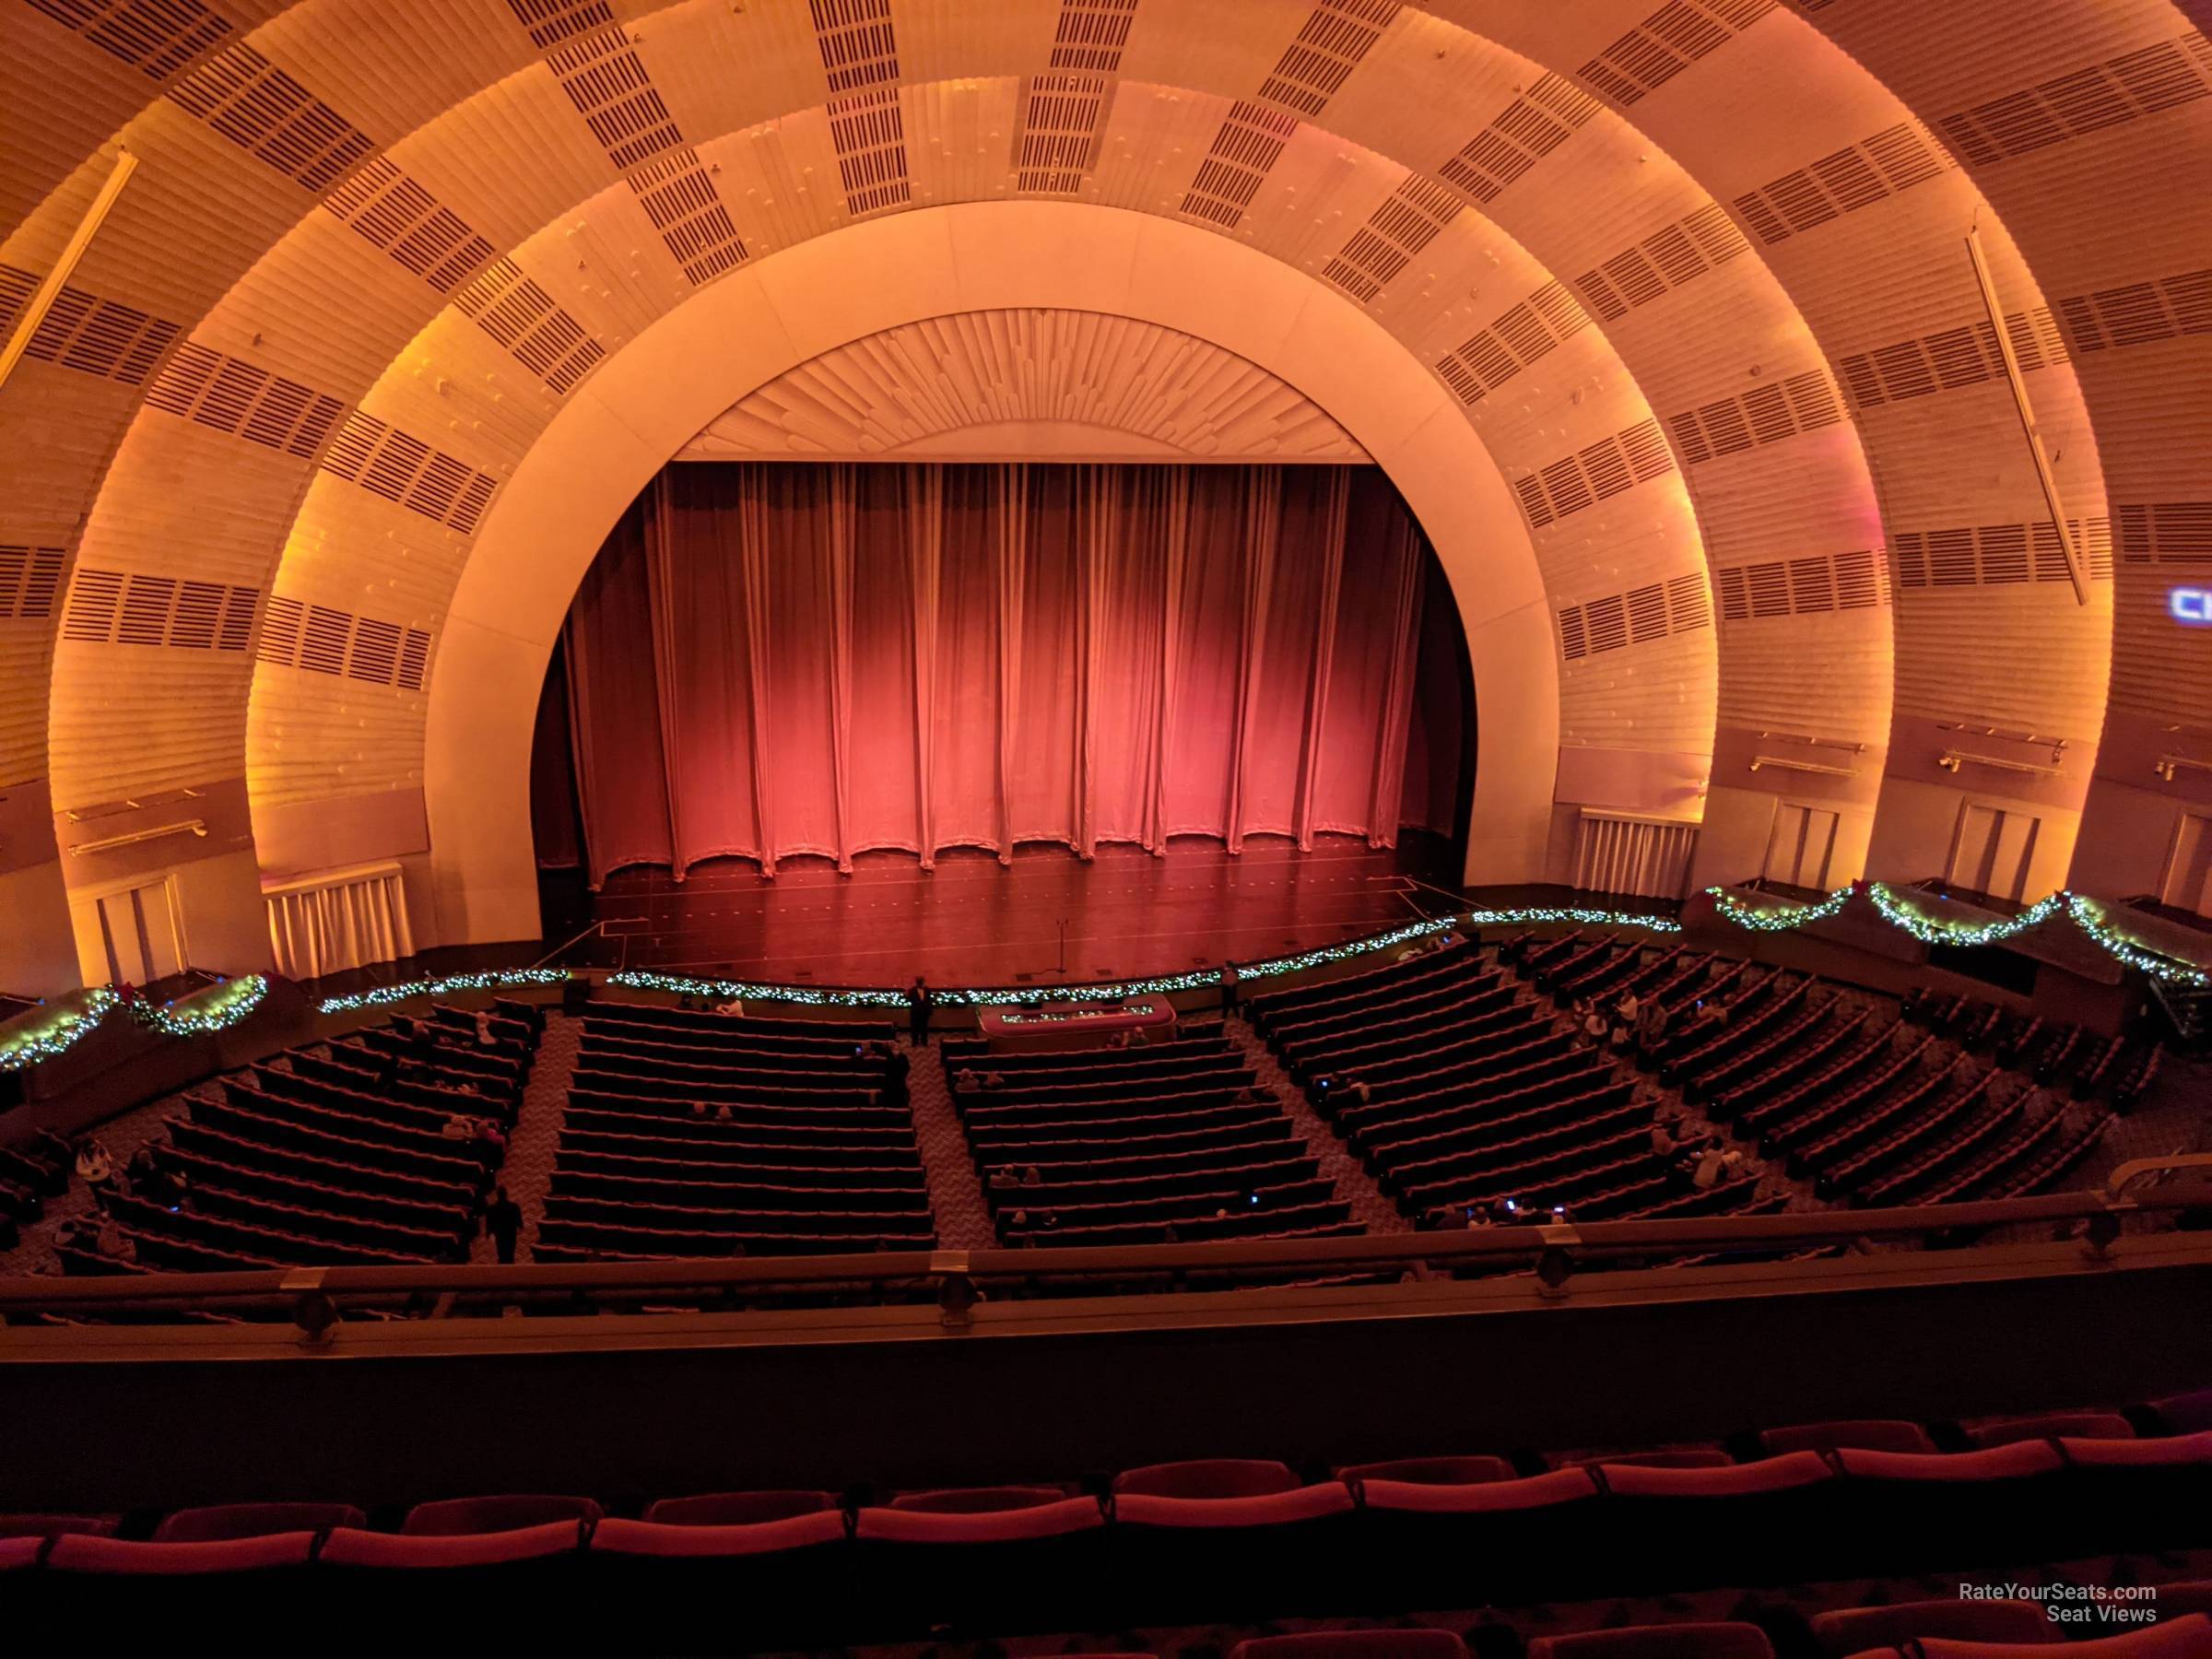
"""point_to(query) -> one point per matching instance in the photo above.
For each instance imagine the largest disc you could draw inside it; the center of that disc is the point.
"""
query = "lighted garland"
(1195, 978)
(1900, 912)
(67, 1026)
(384, 996)
(222, 1009)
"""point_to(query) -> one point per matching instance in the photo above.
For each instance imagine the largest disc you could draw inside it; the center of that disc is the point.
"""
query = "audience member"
(93, 1164)
(503, 1219)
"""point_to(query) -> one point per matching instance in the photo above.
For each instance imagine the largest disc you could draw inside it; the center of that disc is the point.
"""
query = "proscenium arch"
(728, 339)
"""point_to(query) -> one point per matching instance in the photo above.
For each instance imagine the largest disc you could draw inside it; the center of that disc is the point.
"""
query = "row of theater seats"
(1224, 1538)
(2057, 1056)
(697, 1134)
(1457, 1089)
(331, 1154)
(1174, 1141)
(1873, 1110)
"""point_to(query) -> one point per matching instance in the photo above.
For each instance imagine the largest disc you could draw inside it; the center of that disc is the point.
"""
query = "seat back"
(1727, 1640)
(224, 1521)
(976, 1500)
(1846, 1630)
(1866, 1434)
(1208, 1477)
(1354, 1644)
(1430, 1471)
(738, 1508)
(454, 1517)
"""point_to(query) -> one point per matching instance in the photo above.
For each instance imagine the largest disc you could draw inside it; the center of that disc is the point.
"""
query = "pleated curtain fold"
(345, 919)
(774, 660)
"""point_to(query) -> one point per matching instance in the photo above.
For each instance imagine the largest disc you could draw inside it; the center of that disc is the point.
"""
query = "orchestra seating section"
(700, 1134)
(1461, 1092)
(1247, 1537)
(1176, 1142)
(379, 1147)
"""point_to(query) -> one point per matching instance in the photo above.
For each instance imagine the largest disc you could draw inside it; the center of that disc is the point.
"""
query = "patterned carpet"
(1355, 1186)
(956, 1194)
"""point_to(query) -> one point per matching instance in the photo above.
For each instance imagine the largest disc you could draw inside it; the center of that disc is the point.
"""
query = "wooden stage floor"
(1047, 917)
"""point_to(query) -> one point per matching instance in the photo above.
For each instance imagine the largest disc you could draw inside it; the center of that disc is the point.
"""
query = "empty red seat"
(352, 1546)
(2185, 1413)
(2078, 1425)
(1685, 1458)
(1430, 1471)
(1870, 1434)
(456, 1516)
(253, 1521)
(2020, 1459)
(36, 1527)
(90, 1552)
(1012, 1524)
(771, 1535)
(738, 1508)
(1659, 1641)
(1487, 1497)
(1789, 1472)
(2188, 1638)
(1208, 1477)
(976, 1500)
(1845, 1630)
(1354, 1644)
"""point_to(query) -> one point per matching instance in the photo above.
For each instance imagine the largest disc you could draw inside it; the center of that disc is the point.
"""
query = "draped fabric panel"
(771, 661)
(346, 919)
(1648, 858)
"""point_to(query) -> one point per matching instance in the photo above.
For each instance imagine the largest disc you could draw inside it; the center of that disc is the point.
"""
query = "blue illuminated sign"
(2190, 606)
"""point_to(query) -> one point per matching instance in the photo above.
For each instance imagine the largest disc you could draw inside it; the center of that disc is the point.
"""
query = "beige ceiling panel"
(1648, 533)
(719, 68)
(391, 68)
(1768, 662)
(455, 388)
(369, 558)
(26, 660)
(957, 134)
(183, 500)
(1656, 698)
(135, 720)
(82, 97)
(56, 428)
(1959, 657)
(318, 737)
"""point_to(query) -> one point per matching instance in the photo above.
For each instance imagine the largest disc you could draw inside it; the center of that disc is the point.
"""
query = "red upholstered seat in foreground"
(88, 1552)
(1353, 1645)
(1659, 1641)
(1208, 1477)
(455, 1516)
(2185, 1413)
(253, 1521)
(42, 1526)
(1687, 1457)
(351, 1547)
(738, 1508)
(1430, 1471)
(1845, 1630)
(2076, 1425)
(1018, 1525)
(1873, 1434)
(976, 1500)
(2188, 1638)
(816, 1527)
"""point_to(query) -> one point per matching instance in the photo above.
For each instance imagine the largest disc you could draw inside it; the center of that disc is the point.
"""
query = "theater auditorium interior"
(1265, 830)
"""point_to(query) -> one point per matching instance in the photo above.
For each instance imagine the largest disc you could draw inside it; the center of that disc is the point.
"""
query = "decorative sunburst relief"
(1028, 382)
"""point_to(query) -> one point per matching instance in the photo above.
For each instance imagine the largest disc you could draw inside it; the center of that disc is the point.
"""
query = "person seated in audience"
(734, 1008)
(699, 1109)
(1626, 1010)
(1714, 1165)
(140, 1171)
(966, 1082)
(458, 1128)
(113, 1242)
(2037, 1103)
(1652, 1020)
(1355, 1089)
(1663, 1136)
(1018, 1221)
(1593, 1022)
(488, 1135)
(1047, 1221)
(1032, 1177)
(503, 1220)
(93, 1164)
(1247, 1096)
(486, 1036)
(723, 1112)
(1003, 1180)
(992, 1080)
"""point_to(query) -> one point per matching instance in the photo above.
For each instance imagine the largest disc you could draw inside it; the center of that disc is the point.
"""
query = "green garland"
(226, 1005)
(63, 1030)
(384, 996)
(1900, 912)
(1195, 978)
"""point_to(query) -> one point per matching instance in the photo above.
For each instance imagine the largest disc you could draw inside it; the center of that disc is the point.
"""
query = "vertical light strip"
(79, 240)
(2020, 398)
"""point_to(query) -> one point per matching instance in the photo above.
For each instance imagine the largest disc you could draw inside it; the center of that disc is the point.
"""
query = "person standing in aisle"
(917, 1004)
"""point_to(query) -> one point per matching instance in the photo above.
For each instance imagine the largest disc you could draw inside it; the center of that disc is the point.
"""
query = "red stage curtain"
(775, 660)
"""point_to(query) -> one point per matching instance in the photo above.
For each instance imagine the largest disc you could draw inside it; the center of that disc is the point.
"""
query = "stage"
(1047, 917)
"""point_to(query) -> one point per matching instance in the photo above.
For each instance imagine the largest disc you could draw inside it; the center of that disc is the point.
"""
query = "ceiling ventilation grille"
(264, 111)
(1798, 587)
(231, 396)
(321, 640)
(108, 607)
(1655, 611)
(1336, 35)
(1857, 176)
(1966, 355)
(86, 333)
(595, 64)
(393, 212)
(525, 319)
(857, 45)
(1594, 473)
(28, 580)
(400, 467)
(2139, 313)
(1394, 232)
(1996, 555)
(868, 132)
(2166, 533)
(1057, 144)
(1801, 403)
(1533, 125)
(2088, 100)
(1479, 365)
(1662, 263)
(155, 36)
(1091, 34)
(1249, 144)
(1667, 42)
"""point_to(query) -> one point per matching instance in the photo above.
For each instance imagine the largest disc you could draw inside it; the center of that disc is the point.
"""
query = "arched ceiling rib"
(1788, 134)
